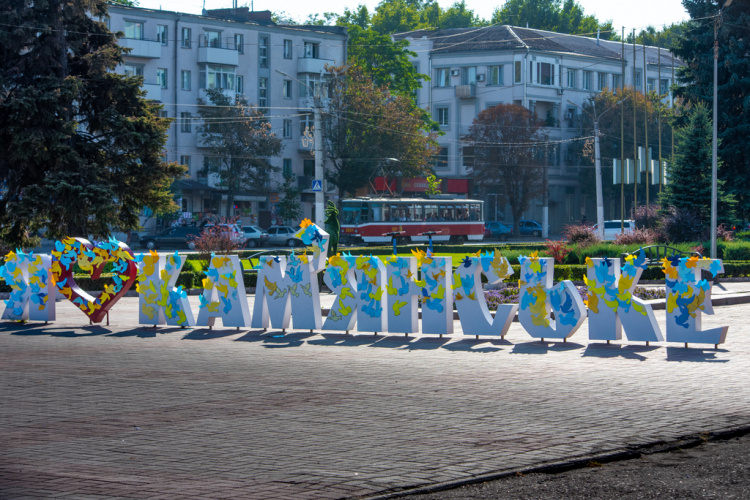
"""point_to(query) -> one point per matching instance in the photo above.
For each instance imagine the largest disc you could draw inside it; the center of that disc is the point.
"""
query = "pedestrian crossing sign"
(317, 185)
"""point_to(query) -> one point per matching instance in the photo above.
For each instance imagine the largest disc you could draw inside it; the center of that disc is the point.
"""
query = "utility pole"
(635, 133)
(647, 160)
(598, 165)
(622, 137)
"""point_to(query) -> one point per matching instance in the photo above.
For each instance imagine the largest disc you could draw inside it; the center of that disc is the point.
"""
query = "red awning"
(458, 186)
(415, 185)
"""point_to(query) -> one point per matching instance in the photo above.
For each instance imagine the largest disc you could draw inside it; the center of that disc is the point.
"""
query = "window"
(306, 123)
(287, 49)
(308, 168)
(441, 159)
(443, 116)
(651, 84)
(287, 168)
(262, 93)
(286, 89)
(185, 38)
(496, 75)
(186, 122)
(469, 75)
(240, 85)
(443, 77)
(312, 50)
(263, 51)
(185, 80)
(587, 80)
(134, 29)
(637, 79)
(163, 113)
(161, 34)
(602, 83)
(239, 42)
(132, 70)
(287, 130)
(217, 77)
(616, 82)
(545, 73)
(664, 86)
(572, 77)
(310, 83)
(517, 72)
(161, 77)
(185, 160)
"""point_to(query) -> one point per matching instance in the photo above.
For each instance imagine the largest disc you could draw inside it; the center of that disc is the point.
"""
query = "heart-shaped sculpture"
(92, 258)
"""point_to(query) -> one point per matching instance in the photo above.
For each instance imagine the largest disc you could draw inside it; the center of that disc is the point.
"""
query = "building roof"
(494, 38)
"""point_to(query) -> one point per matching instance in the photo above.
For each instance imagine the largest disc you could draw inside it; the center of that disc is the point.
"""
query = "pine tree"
(689, 187)
(82, 148)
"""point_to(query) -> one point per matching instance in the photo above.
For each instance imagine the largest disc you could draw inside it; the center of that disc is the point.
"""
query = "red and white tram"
(365, 220)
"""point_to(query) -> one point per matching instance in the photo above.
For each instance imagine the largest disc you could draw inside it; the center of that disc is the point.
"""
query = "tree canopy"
(508, 147)
(82, 148)
(552, 15)
(240, 140)
(695, 48)
(365, 125)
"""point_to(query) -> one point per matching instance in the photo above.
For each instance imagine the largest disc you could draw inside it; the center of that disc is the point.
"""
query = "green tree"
(689, 185)
(365, 124)
(288, 206)
(507, 145)
(82, 148)
(695, 48)
(240, 140)
(666, 37)
(552, 15)
(458, 16)
(395, 16)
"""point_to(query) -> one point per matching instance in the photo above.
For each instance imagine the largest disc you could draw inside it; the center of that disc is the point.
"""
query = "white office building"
(477, 68)
(241, 52)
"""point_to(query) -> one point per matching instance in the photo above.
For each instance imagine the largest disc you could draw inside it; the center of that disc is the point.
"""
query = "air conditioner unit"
(560, 91)
(455, 72)
(480, 78)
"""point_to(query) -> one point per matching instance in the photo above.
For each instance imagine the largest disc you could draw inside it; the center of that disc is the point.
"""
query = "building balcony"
(153, 91)
(466, 91)
(231, 94)
(311, 65)
(218, 55)
(148, 49)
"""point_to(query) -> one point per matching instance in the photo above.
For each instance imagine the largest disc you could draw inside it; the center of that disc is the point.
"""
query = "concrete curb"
(635, 451)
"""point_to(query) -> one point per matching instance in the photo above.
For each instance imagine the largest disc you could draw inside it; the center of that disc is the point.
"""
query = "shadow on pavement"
(539, 347)
(472, 345)
(428, 343)
(344, 340)
(392, 341)
(206, 334)
(276, 338)
(695, 354)
(91, 331)
(618, 350)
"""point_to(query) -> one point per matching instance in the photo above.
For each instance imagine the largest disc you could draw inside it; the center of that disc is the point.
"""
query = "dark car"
(494, 229)
(173, 237)
(531, 227)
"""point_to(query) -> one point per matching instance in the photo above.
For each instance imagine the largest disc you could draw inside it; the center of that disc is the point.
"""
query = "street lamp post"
(714, 174)
(318, 147)
(598, 166)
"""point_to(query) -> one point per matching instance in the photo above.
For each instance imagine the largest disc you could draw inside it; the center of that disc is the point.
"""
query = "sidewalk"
(131, 412)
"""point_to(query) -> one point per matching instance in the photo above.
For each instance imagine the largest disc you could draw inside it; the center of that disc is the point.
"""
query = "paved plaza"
(124, 411)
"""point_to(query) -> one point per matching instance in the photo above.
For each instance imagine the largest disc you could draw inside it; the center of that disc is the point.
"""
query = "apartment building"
(477, 68)
(241, 52)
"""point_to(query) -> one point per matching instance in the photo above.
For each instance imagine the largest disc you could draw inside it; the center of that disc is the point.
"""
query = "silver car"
(283, 236)
(254, 236)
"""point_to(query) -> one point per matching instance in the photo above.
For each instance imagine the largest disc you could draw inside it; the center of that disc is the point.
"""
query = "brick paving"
(131, 412)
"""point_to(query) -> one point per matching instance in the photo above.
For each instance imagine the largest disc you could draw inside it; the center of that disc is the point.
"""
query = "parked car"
(283, 236)
(254, 236)
(494, 229)
(181, 236)
(612, 228)
(232, 231)
(531, 227)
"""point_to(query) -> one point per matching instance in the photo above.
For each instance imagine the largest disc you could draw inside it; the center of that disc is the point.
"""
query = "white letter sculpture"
(471, 303)
(286, 285)
(159, 300)
(403, 293)
(33, 291)
(538, 298)
(340, 278)
(437, 296)
(612, 305)
(687, 296)
(224, 294)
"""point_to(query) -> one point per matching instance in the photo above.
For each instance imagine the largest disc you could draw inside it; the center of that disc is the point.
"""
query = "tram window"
(476, 212)
(415, 212)
(375, 212)
(462, 211)
(431, 212)
(351, 214)
(386, 213)
(364, 215)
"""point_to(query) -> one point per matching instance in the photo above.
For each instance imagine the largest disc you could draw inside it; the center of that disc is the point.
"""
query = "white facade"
(474, 69)
(180, 55)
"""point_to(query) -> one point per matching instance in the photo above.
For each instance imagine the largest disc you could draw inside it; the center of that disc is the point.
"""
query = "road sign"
(317, 185)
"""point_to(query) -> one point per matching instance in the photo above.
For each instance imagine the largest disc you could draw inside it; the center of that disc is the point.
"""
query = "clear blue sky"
(628, 13)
